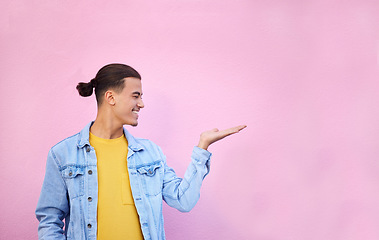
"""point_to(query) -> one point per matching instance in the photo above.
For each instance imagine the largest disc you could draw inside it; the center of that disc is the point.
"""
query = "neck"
(106, 127)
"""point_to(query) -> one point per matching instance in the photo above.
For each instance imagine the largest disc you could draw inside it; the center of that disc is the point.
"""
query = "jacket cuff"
(201, 156)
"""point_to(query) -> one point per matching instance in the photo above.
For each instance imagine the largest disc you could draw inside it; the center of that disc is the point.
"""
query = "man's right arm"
(53, 205)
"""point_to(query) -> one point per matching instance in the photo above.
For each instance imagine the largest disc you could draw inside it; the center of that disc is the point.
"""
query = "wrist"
(203, 145)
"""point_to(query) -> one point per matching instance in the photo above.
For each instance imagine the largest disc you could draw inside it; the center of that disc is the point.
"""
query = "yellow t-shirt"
(117, 217)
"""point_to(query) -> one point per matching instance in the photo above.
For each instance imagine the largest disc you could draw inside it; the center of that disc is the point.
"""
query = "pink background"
(303, 75)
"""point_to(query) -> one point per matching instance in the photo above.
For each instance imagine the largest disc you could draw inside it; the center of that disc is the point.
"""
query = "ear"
(109, 97)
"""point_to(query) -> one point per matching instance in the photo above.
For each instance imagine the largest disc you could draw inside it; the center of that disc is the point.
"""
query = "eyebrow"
(138, 93)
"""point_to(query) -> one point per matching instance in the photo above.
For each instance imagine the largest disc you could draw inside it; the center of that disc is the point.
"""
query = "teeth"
(135, 112)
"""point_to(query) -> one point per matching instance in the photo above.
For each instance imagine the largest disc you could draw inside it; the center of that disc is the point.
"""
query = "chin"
(133, 124)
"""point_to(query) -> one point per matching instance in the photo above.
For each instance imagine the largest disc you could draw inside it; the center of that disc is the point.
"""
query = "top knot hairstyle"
(111, 76)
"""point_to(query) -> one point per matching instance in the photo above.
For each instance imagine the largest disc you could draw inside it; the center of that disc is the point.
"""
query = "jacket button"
(89, 199)
(150, 172)
(88, 149)
(70, 173)
(89, 225)
(90, 172)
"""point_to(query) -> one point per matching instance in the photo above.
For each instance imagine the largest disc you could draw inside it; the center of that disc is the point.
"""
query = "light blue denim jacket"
(70, 187)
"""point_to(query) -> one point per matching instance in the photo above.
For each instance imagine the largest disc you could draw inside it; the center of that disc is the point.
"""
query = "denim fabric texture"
(67, 207)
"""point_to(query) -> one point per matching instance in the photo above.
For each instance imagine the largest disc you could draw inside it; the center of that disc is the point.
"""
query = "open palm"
(211, 136)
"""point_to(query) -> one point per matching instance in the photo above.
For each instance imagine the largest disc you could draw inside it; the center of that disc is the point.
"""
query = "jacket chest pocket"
(151, 177)
(73, 176)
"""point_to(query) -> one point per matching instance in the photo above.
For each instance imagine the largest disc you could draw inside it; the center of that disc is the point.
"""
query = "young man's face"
(129, 102)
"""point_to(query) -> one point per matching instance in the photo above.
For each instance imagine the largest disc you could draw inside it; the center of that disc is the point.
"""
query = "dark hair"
(110, 76)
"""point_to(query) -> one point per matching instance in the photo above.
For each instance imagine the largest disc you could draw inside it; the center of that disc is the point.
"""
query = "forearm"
(183, 194)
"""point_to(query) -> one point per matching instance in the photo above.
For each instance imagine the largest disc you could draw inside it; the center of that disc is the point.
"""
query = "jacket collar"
(83, 138)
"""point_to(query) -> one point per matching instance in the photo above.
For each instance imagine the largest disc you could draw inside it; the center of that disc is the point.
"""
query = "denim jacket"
(70, 187)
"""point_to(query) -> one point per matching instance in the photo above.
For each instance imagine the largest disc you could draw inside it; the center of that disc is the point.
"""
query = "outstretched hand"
(211, 136)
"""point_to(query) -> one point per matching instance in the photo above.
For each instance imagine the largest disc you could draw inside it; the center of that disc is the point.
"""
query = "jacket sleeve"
(53, 205)
(183, 193)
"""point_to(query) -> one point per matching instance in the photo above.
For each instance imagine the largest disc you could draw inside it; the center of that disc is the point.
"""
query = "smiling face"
(128, 102)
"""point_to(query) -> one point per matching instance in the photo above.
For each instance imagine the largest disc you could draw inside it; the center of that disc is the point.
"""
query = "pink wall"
(303, 75)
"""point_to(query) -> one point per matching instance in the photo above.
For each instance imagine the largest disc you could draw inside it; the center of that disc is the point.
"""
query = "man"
(104, 183)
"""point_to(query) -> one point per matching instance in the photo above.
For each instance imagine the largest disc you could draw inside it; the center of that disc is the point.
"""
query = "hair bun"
(85, 89)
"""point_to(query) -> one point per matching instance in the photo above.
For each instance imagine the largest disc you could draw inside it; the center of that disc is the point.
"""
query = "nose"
(140, 104)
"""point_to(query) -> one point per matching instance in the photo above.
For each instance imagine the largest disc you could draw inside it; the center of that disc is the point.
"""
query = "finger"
(235, 129)
(240, 127)
(232, 130)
